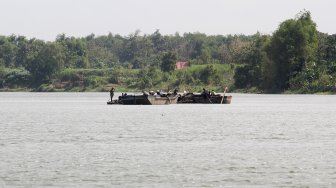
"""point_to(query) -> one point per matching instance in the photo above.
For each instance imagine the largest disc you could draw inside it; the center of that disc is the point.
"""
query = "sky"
(45, 19)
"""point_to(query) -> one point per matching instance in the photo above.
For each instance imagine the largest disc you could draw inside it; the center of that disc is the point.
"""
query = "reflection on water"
(76, 140)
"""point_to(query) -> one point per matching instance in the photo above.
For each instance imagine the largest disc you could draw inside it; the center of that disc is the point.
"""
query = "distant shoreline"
(81, 90)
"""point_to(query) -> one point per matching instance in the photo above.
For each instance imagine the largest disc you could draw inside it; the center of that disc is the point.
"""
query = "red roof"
(181, 64)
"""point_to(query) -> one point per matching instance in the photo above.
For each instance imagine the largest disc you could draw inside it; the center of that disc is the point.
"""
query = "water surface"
(76, 140)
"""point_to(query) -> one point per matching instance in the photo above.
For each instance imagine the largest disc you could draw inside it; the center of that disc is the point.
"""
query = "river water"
(76, 140)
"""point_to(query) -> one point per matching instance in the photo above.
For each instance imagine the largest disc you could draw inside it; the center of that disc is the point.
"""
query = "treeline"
(296, 57)
(101, 60)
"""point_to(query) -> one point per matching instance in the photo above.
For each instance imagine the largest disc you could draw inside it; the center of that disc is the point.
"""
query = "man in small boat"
(112, 93)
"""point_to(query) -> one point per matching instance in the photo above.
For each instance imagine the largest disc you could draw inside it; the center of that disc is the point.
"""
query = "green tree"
(326, 47)
(157, 41)
(195, 45)
(208, 72)
(7, 51)
(45, 62)
(168, 62)
(253, 57)
(292, 46)
(206, 56)
(2, 71)
(23, 48)
(102, 51)
(242, 77)
(75, 51)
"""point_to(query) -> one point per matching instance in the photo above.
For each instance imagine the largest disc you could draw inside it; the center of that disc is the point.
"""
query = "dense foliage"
(296, 57)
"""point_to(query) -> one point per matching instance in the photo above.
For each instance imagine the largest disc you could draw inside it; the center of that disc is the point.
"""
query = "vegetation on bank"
(192, 78)
(296, 58)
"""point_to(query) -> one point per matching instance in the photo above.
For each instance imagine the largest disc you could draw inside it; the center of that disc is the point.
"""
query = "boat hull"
(144, 100)
(191, 98)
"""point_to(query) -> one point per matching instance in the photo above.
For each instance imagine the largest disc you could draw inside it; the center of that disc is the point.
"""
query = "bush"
(69, 75)
(93, 81)
(16, 77)
(45, 88)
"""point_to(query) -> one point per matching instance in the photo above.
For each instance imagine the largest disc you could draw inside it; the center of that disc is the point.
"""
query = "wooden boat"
(200, 98)
(145, 99)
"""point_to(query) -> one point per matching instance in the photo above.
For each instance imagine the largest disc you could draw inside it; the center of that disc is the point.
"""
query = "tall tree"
(168, 62)
(7, 51)
(42, 64)
(253, 57)
(158, 41)
(76, 55)
(292, 46)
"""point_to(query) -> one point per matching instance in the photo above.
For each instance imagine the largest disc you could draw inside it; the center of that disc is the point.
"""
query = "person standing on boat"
(112, 93)
(175, 91)
(205, 93)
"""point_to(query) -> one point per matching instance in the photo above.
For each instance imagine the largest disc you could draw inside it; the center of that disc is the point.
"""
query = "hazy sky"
(44, 19)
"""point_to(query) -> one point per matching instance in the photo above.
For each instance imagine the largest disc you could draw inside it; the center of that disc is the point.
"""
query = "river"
(76, 140)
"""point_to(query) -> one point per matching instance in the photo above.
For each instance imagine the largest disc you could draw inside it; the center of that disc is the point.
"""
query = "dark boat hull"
(191, 98)
(144, 100)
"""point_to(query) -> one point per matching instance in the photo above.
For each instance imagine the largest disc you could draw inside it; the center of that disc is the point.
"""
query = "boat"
(145, 99)
(201, 98)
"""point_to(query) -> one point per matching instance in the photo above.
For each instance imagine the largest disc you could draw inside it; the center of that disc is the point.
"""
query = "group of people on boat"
(207, 93)
(161, 94)
(158, 93)
(206, 96)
